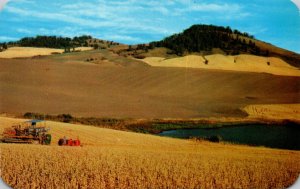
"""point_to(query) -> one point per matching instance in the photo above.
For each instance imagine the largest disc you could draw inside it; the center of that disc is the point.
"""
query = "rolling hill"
(116, 86)
(207, 81)
(209, 39)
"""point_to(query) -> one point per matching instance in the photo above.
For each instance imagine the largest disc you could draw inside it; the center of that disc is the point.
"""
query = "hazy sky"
(140, 21)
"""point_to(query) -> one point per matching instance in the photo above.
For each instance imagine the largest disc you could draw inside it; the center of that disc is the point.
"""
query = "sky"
(142, 21)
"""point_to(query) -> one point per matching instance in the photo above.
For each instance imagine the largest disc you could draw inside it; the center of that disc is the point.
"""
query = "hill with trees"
(200, 39)
(59, 42)
(203, 38)
(209, 39)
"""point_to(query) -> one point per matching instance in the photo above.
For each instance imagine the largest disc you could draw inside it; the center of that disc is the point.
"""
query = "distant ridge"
(60, 42)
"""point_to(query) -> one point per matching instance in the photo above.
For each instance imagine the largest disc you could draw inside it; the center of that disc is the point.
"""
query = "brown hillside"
(114, 86)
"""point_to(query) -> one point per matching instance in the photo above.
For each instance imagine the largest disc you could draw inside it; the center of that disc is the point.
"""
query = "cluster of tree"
(102, 44)
(200, 38)
(54, 42)
(81, 40)
(69, 44)
(142, 47)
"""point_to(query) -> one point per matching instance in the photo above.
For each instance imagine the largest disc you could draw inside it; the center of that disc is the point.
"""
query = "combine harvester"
(30, 132)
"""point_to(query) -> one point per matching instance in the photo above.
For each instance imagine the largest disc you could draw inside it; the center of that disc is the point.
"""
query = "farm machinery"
(32, 131)
(68, 142)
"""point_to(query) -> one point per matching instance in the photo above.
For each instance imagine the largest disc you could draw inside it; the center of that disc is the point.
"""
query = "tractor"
(31, 132)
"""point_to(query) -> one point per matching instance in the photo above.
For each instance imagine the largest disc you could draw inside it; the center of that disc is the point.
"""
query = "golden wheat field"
(118, 159)
(21, 52)
(274, 111)
(243, 63)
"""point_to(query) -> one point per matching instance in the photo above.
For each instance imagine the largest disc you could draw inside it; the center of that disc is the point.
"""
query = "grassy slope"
(117, 159)
(113, 86)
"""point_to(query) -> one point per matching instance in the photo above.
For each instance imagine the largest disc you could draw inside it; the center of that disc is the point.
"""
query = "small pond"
(274, 136)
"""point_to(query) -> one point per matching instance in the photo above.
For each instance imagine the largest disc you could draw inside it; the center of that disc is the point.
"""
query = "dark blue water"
(274, 136)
